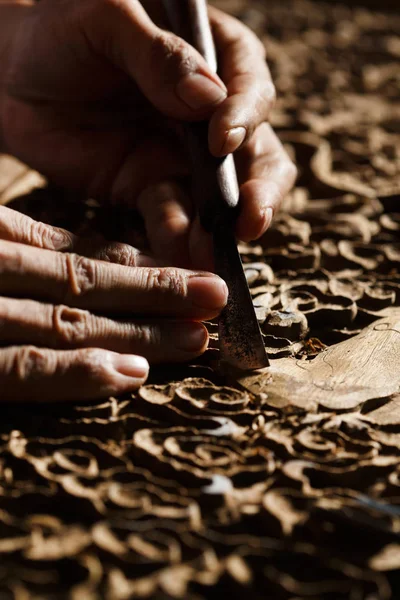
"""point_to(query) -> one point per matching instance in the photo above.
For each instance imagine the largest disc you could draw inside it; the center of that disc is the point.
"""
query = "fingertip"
(218, 126)
(207, 292)
(250, 231)
(192, 338)
(257, 212)
(118, 373)
(223, 143)
(130, 365)
(105, 372)
(234, 139)
(45, 374)
(232, 125)
(177, 79)
(199, 92)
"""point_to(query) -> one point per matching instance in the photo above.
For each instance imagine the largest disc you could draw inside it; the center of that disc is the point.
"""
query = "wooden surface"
(196, 487)
(342, 377)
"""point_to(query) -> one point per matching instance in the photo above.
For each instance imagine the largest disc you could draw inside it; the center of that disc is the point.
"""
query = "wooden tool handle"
(215, 185)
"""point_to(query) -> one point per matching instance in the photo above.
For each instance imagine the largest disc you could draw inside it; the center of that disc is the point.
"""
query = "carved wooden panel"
(284, 484)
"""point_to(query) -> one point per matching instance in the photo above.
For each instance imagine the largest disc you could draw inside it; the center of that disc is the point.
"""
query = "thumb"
(169, 71)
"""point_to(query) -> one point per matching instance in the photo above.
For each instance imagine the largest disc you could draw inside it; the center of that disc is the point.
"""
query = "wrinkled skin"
(77, 320)
(93, 93)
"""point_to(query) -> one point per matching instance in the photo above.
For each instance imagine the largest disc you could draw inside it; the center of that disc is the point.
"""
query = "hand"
(59, 333)
(93, 92)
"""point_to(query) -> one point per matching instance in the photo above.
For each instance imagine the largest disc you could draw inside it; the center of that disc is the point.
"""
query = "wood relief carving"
(281, 484)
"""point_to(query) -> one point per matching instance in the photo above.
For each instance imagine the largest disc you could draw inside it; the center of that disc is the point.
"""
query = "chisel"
(216, 194)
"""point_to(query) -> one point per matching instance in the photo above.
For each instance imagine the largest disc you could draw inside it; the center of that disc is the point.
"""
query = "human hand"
(93, 92)
(64, 330)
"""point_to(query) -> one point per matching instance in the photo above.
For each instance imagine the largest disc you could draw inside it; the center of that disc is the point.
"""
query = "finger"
(61, 327)
(170, 72)
(147, 162)
(251, 93)
(171, 230)
(269, 175)
(201, 247)
(167, 213)
(78, 281)
(16, 227)
(116, 252)
(30, 373)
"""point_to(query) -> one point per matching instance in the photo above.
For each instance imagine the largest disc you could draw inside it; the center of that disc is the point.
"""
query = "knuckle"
(93, 363)
(44, 236)
(99, 20)
(60, 239)
(81, 275)
(37, 234)
(148, 278)
(71, 325)
(31, 363)
(148, 335)
(166, 280)
(174, 54)
(121, 254)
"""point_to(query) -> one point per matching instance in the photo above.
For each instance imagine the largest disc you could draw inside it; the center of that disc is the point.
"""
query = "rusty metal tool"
(216, 193)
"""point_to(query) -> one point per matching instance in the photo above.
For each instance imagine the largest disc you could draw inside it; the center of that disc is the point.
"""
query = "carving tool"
(216, 193)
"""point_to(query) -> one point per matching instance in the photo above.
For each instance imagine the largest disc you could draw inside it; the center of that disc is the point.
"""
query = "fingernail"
(129, 365)
(198, 91)
(268, 216)
(234, 139)
(191, 337)
(207, 292)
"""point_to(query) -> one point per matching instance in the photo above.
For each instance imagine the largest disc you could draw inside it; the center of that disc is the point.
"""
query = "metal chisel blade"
(241, 342)
(216, 194)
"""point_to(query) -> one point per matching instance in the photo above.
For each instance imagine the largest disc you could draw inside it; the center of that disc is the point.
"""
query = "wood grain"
(342, 377)
(194, 487)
